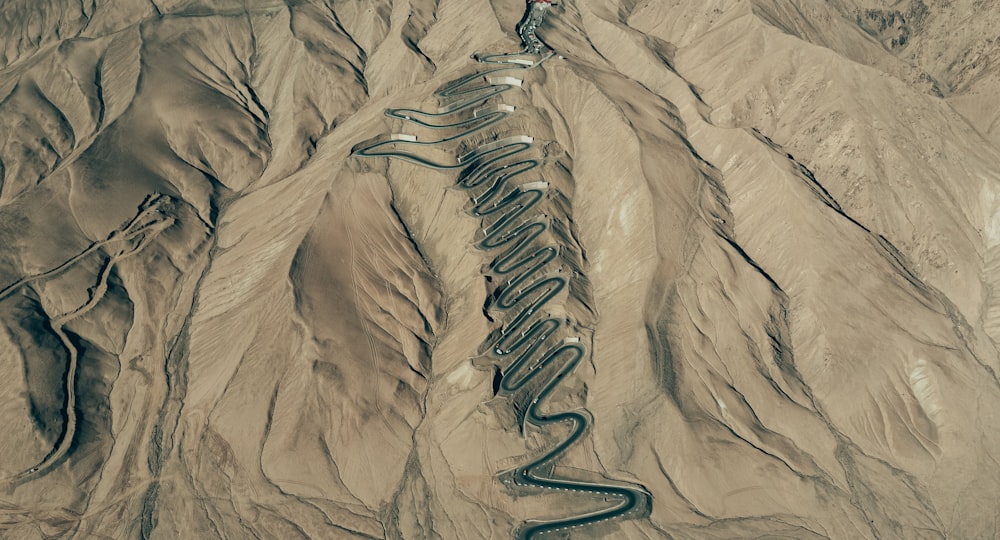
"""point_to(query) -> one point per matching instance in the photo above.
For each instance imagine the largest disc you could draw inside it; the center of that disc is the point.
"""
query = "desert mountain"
(606, 269)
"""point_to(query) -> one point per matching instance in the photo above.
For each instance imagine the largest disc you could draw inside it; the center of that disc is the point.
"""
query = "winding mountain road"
(528, 280)
(130, 239)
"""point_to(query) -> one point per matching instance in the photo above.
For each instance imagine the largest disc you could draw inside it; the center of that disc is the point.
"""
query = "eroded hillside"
(770, 228)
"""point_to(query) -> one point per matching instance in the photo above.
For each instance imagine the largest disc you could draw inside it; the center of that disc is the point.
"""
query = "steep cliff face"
(778, 225)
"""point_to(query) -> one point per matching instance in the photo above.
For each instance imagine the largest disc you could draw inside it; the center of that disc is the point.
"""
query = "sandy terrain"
(606, 269)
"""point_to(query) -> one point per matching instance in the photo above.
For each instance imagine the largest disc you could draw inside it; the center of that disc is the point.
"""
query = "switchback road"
(529, 344)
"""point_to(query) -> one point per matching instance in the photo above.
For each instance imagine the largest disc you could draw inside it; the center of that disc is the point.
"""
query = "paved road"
(529, 281)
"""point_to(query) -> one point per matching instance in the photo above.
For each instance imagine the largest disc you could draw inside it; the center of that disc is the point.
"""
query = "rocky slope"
(784, 219)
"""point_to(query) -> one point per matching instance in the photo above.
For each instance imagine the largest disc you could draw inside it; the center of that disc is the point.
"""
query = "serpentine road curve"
(529, 284)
